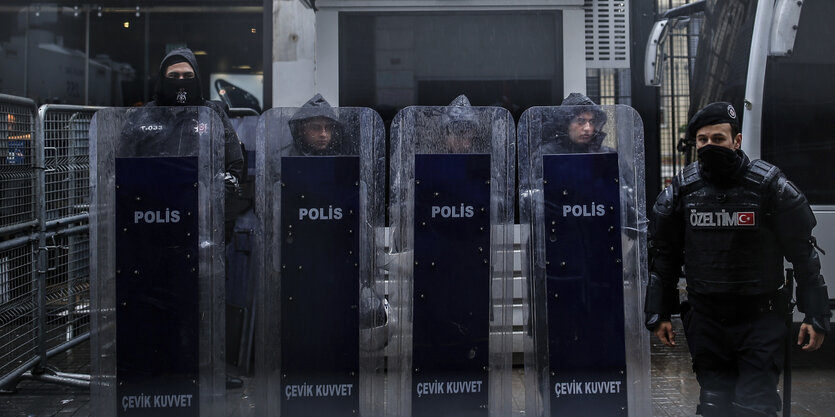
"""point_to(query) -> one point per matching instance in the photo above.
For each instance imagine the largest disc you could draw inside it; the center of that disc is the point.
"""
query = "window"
(125, 49)
(392, 60)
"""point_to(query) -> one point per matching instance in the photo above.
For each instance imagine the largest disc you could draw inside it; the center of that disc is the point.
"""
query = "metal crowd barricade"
(18, 303)
(17, 165)
(44, 272)
(64, 134)
(18, 294)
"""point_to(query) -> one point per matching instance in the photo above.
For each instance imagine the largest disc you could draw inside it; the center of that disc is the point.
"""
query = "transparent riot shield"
(582, 214)
(321, 327)
(240, 267)
(450, 266)
(157, 265)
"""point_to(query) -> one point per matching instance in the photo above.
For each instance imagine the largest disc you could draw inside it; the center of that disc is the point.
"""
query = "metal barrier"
(44, 274)
(67, 288)
(18, 303)
(64, 134)
(17, 164)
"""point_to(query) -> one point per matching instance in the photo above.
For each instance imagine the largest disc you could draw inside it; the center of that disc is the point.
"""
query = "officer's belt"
(736, 307)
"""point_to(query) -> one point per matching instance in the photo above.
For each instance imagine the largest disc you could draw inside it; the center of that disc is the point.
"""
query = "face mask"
(718, 162)
(180, 92)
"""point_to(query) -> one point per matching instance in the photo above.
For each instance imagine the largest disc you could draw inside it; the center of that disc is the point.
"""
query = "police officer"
(576, 129)
(316, 129)
(730, 221)
(178, 84)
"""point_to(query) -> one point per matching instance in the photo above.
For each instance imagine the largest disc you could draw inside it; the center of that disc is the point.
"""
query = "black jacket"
(732, 238)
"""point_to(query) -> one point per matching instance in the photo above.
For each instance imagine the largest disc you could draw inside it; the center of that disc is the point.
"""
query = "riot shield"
(583, 227)
(322, 312)
(157, 264)
(452, 184)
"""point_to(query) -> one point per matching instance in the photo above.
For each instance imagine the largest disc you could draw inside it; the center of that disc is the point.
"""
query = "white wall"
(574, 51)
(294, 45)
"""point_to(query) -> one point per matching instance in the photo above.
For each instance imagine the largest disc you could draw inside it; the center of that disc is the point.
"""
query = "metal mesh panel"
(675, 91)
(66, 179)
(17, 174)
(18, 331)
(67, 295)
(609, 86)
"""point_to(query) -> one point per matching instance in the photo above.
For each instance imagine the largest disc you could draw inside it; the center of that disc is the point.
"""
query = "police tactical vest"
(729, 245)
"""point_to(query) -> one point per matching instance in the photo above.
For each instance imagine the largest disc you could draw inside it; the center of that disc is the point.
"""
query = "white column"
(327, 55)
(574, 51)
(293, 53)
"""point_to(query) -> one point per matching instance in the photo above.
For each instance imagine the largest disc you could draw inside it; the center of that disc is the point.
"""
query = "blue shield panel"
(319, 286)
(584, 281)
(451, 285)
(157, 304)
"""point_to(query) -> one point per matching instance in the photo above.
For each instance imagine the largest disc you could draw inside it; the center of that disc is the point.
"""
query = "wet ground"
(674, 388)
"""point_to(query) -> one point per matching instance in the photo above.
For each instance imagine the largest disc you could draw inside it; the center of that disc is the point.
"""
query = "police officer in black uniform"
(730, 222)
(178, 84)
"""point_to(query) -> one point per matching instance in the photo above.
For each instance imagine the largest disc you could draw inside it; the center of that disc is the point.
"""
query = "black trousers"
(739, 357)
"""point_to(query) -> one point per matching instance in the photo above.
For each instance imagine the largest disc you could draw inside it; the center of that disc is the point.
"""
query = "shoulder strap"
(689, 178)
(761, 173)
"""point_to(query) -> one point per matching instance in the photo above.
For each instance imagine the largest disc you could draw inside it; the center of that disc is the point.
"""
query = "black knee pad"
(715, 404)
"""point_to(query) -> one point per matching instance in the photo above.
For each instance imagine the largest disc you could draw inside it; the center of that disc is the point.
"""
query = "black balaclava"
(718, 164)
(179, 92)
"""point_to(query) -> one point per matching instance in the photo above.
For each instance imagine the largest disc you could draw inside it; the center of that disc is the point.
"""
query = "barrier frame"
(60, 307)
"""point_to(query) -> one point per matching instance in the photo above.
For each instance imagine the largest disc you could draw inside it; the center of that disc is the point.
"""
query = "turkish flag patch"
(746, 218)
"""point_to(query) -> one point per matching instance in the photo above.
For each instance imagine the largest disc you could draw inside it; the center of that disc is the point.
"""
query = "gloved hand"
(233, 188)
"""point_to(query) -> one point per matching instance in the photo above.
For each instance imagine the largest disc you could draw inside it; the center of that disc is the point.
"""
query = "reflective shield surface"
(158, 270)
(321, 302)
(450, 265)
(583, 230)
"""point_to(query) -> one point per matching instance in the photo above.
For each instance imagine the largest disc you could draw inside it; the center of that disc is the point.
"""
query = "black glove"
(233, 188)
